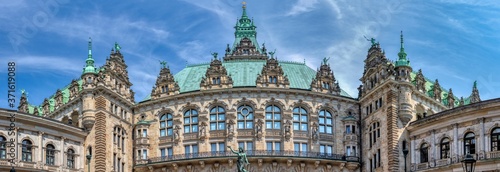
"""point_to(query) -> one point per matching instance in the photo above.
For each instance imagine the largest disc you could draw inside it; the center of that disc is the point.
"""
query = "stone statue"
(176, 132)
(203, 131)
(117, 47)
(242, 159)
(315, 133)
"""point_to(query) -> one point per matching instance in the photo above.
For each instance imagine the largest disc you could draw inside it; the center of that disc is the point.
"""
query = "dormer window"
(273, 80)
(246, 51)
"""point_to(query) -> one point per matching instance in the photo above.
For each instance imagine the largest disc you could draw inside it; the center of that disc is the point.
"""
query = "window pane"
(329, 121)
(222, 116)
(329, 130)
(222, 126)
(195, 128)
(303, 127)
(303, 118)
(269, 146)
(213, 117)
(249, 124)
(249, 146)
(304, 147)
(269, 125)
(241, 125)
(277, 146)
(222, 146)
(162, 124)
(295, 126)
(269, 116)
(277, 125)
(186, 129)
(162, 132)
(321, 129)
(277, 116)
(169, 123)
(186, 121)
(321, 120)
(295, 117)
(296, 147)
(213, 126)
(213, 147)
(194, 119)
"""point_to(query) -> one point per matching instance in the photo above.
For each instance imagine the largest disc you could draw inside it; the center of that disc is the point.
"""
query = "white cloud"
(302, 6)
(48, 64)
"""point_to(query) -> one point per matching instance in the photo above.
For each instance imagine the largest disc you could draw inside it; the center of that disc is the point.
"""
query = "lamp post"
(469, 163)
(405, 152)
(88, 161)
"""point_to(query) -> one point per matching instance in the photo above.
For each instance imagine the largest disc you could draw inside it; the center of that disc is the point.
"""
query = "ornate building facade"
(285, 115)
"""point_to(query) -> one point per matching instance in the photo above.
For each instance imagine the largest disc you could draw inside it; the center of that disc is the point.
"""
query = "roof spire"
(244, 15)
(89, 68)
(402, 61)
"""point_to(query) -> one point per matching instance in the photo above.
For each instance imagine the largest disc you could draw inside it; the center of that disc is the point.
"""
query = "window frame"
(70, 158)
(273, 111)
(424, 153)
(444, 147)
(323, 116)
(219, 123)
(495, 139)
(50, 154)
(298, 123)
(27, 152)
(166, 124)
(469, 143)
(245, 121)
(192, 115)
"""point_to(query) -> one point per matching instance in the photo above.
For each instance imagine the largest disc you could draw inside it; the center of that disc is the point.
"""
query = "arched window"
(70, 158)
(273, 117)
(445, 148)
(26, 150)
(245, 117)
(166, 125)
(300, 119)
(50, 155)
(470, 143)
(424, 153)
(3, 147)
(191, 121)
(325, 122)
(217, 118)
(495, 139)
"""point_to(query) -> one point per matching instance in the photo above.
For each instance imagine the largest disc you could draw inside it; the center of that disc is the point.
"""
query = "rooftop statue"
(325, 60)
(215, 55)
(372, 40)
(242, 159)
(163, 64)
(117, 47)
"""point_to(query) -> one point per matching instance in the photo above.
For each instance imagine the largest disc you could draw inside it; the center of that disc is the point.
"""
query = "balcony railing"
(250, 154)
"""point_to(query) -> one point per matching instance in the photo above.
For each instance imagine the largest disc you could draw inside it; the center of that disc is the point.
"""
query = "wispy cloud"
(47, 64)
(302, 6)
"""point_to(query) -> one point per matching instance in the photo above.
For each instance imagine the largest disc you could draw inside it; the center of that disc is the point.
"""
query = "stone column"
(61, 156)
(433, 144)
(412, 150)
(482, 145)
(455, 141)
(40, 147)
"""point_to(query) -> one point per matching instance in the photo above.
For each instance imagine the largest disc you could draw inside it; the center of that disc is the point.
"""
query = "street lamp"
(405, 152)
(469, 163)
(88, 161)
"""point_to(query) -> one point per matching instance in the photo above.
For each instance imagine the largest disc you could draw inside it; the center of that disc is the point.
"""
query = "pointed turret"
(245, 44)
(402, 65)
(474, 97)
(89, 67)
(402, 61)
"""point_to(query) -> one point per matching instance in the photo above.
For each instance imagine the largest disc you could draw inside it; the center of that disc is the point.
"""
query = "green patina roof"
(444, 92)
(244, 74)
(65, 99)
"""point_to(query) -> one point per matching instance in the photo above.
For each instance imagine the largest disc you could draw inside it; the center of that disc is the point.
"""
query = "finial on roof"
(244, 15)
(117, 47)
(215, 55)
(163, 64)
(90, 47)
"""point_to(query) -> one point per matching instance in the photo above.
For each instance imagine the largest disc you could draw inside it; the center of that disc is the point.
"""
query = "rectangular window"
(217, 146)
(348, 129)
(163, 152)
(169, 151)
(144, 133)
(380, 102)
(300, 148)
(273, 146)
(348, 151)
(144, 154)
(378, 157)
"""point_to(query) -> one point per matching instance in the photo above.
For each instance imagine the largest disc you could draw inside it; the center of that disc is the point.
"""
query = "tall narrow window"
(273, 117)
(495, 139)
(445, 148)
(26, 151)
(300, 148)
(166, 125)
(325, 149)
(191, 150)
(144, 154)
(3, 147)
(424, 153)
(470, 143)
(273, 146)
(191, 121)
(325, 122)
(50, 154)
(70, 158)
(245, 117)
(216, 147)
(217, 118)
(300, 119)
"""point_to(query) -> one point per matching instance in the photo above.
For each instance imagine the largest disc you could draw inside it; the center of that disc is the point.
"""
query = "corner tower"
(245, 44)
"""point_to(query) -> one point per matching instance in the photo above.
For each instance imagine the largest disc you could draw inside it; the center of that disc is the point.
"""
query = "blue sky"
(455, 41)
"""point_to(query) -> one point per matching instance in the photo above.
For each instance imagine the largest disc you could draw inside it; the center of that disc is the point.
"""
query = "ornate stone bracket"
(230, 130)
(258, 129)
